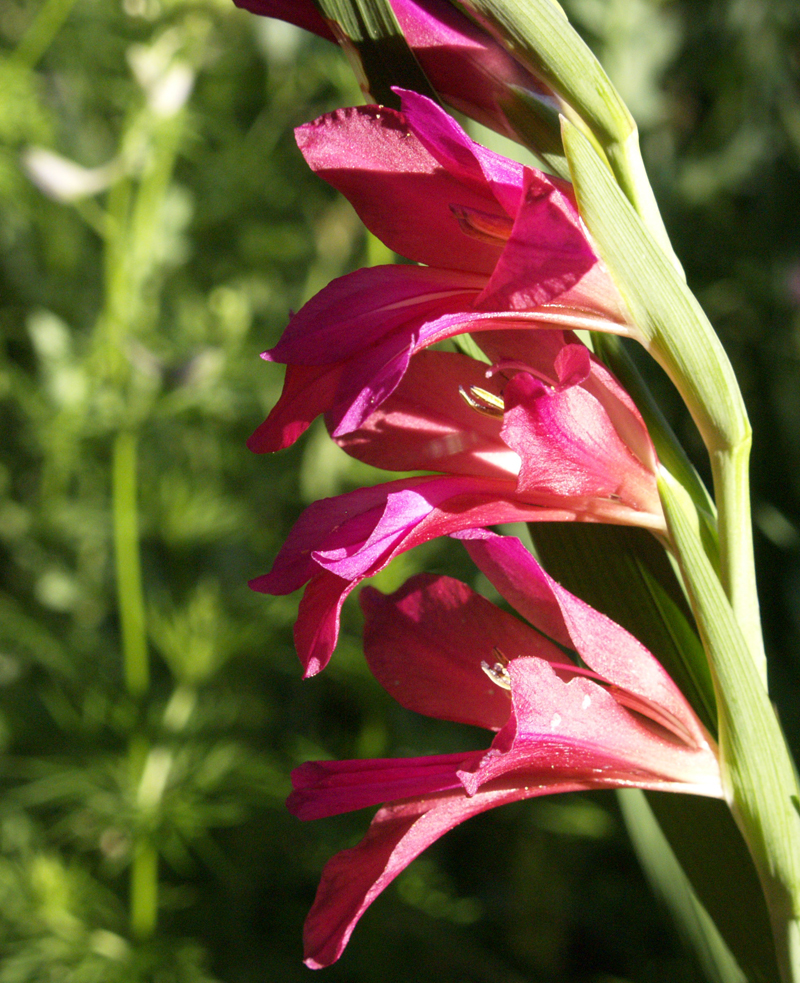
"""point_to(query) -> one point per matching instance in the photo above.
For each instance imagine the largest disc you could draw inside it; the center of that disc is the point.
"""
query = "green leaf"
(670, 883)
(711, 851)
(373, 41)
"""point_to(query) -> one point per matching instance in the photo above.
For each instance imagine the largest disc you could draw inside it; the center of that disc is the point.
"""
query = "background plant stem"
(143, 901)
(128, 564)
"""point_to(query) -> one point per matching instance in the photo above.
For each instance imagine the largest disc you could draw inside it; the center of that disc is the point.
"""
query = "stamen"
(482, 401)
(498, 674)
(484, 226)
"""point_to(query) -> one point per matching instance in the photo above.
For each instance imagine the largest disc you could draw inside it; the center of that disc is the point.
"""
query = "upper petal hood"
(401, 192)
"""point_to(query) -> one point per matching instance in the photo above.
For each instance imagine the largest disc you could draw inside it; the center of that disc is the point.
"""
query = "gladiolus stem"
(737, 564)
(758, 774)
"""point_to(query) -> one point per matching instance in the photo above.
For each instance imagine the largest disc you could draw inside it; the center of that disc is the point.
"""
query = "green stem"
(737, 562)
(143, 901)
(130, 598)
(144, 889)
(42, 31)
(757, 770)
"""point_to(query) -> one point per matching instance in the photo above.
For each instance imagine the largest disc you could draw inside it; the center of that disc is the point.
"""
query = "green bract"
(371, 37)
(676, 332)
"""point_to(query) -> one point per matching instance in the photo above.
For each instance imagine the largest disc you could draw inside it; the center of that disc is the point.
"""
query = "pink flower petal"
(328, 788)
(316, 630)
(569, 447)
(433, 427)
(547, 253)
(579, 729)
(337, 542)
(622, 413)
(491, 176)
(425, 645)
(373, 157)
(601, 643)
(354, 878)
(308, 391)
(360, 310)
(301, 13)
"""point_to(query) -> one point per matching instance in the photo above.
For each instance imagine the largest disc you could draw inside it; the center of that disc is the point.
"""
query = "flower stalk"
(757, 770)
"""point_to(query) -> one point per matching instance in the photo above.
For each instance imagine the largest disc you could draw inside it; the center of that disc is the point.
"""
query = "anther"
(482, 401)
(498, 674)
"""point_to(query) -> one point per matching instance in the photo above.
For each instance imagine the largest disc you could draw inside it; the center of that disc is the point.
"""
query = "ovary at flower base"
(541, 433)
(503, 246)
(615, 720)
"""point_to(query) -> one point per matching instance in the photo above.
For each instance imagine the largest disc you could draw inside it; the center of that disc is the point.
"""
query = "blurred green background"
(157, 226)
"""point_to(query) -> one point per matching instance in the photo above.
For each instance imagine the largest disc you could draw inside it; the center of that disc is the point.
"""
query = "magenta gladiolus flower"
(442, 650)
(465, 65)
(547, 415)
(549, 436)
(337, 542)
(503, 247)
